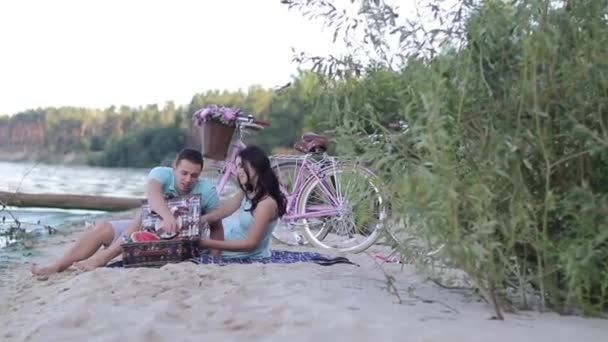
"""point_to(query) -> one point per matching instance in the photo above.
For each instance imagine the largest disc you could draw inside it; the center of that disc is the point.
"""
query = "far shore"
(33, 156)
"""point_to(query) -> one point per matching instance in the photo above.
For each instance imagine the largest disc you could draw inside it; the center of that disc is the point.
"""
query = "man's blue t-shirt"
(209, 198)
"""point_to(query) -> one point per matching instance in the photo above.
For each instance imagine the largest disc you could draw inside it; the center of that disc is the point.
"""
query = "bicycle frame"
(316, 191)
(307, 171)
(229, 168)
(229, 165)
(303, 177)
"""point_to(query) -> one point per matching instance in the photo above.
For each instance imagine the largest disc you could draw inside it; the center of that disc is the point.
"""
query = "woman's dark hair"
(267, 185)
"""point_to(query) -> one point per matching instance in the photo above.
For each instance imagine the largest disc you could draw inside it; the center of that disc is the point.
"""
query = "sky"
(136, 52)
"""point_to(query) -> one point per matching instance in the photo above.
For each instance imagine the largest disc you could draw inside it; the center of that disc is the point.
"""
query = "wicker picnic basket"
(215, 139)
(186, 210)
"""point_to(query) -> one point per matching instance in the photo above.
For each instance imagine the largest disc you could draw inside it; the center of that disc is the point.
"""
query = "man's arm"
(156, 199)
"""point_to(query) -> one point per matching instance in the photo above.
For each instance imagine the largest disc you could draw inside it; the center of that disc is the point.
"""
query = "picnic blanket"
(276, 257)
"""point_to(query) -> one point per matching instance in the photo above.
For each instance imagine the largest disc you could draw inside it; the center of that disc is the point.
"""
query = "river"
(62, 179)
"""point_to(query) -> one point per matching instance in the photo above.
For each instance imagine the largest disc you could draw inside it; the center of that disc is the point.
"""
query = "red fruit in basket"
(142, 236)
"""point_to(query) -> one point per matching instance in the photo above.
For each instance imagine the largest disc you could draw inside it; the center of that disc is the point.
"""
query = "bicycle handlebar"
(261, 122)
(248, 121)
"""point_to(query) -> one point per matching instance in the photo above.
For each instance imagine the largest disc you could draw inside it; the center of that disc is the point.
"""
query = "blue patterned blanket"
(276, 257)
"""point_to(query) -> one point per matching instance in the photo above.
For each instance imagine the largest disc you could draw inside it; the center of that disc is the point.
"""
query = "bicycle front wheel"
(345, 200)
(286, 232)
(212, 173)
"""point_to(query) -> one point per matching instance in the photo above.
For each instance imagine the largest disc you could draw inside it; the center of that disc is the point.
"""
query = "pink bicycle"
(332, 202)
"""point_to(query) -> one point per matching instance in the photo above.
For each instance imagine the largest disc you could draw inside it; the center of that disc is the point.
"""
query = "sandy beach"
(272, 302)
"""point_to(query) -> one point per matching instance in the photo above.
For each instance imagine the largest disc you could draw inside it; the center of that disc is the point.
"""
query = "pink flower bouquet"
(224, 115)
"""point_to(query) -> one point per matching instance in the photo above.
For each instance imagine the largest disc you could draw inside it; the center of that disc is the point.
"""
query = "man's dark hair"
(190, 155)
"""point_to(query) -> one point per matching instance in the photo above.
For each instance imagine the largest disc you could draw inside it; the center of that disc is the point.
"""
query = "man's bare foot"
(42, 271)
(89, 264)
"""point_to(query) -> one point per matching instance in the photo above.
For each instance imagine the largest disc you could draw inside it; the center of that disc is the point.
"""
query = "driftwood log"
(64, 201)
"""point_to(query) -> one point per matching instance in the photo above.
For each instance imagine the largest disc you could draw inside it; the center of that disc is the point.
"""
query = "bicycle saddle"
(312, 142)
(310, 136)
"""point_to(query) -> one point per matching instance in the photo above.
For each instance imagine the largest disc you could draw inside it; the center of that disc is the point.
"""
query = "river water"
(62, 179)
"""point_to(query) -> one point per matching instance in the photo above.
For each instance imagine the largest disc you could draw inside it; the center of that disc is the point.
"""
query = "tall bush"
(506, 160)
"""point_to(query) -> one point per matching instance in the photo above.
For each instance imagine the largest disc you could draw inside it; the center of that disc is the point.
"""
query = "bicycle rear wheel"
(351, 193)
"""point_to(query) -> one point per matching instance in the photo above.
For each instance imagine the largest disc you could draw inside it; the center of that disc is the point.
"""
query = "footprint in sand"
(233, 325)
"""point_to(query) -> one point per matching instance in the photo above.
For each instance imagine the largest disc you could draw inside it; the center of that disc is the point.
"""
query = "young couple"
(259, 205)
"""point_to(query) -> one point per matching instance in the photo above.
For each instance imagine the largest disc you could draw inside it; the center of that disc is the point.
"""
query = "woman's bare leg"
(86, 245)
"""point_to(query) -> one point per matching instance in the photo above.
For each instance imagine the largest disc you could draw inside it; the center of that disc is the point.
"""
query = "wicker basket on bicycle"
(215, 139)
(184, 246)
(216, 127)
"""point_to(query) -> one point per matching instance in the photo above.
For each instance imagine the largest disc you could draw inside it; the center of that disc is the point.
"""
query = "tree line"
(148, 135)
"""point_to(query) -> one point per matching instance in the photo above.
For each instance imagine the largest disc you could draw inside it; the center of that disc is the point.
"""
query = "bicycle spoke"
(361, 209)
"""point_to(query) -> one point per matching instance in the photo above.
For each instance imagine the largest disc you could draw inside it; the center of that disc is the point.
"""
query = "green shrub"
(506, 159)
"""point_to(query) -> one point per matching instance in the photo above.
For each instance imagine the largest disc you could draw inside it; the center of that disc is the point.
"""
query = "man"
(181, 179)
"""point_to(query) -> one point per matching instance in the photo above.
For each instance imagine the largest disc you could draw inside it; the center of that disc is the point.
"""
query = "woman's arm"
(216, 233)
(265, 213)
(225, 209)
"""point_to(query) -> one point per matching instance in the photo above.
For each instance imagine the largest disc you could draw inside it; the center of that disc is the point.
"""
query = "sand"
(298, 302)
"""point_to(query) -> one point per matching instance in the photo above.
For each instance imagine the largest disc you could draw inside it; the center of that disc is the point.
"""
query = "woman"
(260, 204)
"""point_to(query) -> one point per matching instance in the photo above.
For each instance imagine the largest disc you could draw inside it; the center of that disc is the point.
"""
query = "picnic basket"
(186, 210)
